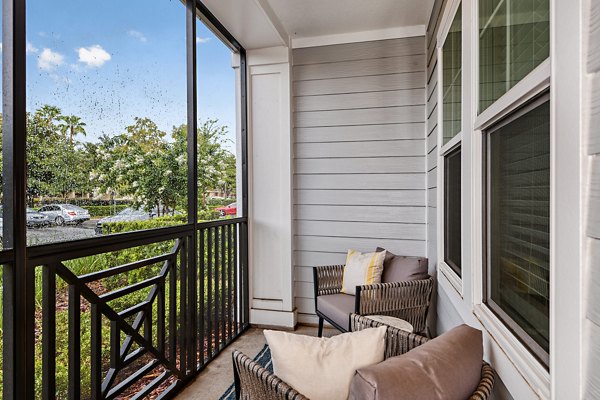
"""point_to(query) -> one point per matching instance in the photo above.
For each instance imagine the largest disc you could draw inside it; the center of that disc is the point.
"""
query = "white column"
(270, 188)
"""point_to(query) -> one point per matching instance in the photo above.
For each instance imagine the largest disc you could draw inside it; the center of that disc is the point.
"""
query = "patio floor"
(218, 375)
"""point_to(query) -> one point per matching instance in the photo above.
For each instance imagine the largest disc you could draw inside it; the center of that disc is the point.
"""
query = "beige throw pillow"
(362, 269)
(322, 368)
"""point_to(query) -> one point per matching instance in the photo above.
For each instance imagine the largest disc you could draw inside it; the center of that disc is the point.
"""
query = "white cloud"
(200, 40)
(137, 35)
(93, 56)
(31, 49)
(49, 60)
(0, 46)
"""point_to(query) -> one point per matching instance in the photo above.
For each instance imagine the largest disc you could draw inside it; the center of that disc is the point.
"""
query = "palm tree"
(72, 125)
(48, 113)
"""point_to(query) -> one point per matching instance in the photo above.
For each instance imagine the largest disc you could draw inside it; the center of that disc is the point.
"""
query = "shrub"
(154, 223)
(215, 201)
(104, 211)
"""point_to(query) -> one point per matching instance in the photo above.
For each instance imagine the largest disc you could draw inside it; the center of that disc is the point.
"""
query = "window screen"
(519, 224)
(452, 211)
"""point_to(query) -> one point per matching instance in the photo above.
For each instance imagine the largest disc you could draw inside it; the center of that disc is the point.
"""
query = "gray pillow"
(445, 368)
(403, 268)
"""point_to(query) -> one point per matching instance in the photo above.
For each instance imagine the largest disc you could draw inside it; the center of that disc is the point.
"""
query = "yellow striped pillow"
(361, 269)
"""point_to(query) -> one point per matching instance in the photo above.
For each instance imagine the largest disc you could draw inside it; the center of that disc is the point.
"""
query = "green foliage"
(217, 202)
(154, 223)
(105, 211)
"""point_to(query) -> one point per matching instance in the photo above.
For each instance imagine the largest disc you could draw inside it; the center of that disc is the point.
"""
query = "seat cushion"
(337, 307)
(322, 368)
(403, 268)
(447, 367)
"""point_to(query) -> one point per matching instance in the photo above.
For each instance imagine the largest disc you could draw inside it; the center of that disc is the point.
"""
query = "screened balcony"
(172, 172)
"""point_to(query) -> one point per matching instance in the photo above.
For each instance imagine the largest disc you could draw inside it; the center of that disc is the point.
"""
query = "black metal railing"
(145, 326)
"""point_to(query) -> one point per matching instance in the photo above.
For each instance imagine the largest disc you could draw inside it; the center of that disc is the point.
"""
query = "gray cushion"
(403, 268)
(445, 368)
(337, 307)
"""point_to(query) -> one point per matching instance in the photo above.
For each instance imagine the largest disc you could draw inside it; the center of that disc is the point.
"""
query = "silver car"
(61, 214)
(128, 214)
(36, 219)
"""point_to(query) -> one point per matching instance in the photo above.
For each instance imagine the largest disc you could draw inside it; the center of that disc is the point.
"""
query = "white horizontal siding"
(367, 165)
(376, 83)
(359, 133)
(409, 215)
(368, 67)
(383, 197)
(379, 148)
(361, 229)
(360, 154)
(349, 101)
(363, 116)
(360, 181)
(359, 51)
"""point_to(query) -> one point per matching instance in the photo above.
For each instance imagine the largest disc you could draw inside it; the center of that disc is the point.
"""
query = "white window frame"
(535, 83)
(456, 281)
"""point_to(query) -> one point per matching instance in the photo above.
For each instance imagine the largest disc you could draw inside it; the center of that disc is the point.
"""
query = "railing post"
(18, 294)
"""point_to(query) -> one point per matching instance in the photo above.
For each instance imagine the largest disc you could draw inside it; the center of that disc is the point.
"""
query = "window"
(514, 38)
(449, 141)
(518, 224)
(452, 78)
(452, 211)
(106, 126)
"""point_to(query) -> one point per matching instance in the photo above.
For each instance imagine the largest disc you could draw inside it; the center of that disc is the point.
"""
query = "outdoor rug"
(263, 359)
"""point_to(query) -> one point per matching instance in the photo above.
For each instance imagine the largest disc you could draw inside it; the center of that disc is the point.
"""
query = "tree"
(71, 125)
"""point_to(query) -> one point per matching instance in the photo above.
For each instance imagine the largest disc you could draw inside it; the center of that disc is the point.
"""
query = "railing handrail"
(43, 254)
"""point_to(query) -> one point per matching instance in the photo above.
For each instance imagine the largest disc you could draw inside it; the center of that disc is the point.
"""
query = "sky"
(110, 61)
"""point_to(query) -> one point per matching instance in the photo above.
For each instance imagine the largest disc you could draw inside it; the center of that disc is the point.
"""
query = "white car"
(61, 214)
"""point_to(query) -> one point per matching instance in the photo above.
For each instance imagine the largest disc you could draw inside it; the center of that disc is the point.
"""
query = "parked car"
(61, 214)
(36, 219)
(128, 214)
(230, 209)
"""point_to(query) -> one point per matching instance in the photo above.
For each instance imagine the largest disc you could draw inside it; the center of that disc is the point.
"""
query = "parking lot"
(52, 234)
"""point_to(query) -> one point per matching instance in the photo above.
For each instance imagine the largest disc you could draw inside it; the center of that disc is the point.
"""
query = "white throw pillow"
(362, 269)
(322, 368)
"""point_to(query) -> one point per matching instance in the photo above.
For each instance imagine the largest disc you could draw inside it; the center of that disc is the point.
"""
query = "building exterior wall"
(591, 65)
(359, 154)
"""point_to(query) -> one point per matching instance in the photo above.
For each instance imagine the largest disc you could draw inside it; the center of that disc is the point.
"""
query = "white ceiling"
(266, 23)
(308, 18)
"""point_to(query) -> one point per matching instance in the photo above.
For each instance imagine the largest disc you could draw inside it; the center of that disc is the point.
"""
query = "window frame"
(540, 354)
(532, 85)
(455, 280)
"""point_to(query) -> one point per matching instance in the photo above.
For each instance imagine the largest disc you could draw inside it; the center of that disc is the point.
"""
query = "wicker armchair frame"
(407, 300)
(253, 382)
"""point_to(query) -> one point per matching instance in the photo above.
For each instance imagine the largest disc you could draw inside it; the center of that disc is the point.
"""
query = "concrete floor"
(218, 375)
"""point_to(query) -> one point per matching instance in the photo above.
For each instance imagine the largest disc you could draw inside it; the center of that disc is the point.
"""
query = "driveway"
(53, 234)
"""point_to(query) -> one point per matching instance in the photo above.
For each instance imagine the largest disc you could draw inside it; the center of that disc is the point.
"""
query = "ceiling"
(266, 23)
(308, 18)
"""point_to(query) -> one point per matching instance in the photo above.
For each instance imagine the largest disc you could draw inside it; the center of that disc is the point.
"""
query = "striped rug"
(263, 359)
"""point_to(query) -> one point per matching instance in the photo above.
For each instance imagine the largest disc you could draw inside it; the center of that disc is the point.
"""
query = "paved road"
(52, 234)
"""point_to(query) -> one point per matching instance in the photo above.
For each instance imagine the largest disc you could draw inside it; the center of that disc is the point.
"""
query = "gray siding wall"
(359, 154)
(591, 342)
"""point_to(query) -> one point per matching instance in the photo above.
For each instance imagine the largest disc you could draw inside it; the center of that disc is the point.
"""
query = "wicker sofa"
(407, 300)
(253, 382)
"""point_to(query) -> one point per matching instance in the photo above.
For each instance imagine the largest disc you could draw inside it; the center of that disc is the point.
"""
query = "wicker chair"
(253, 382)
(408, 300)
